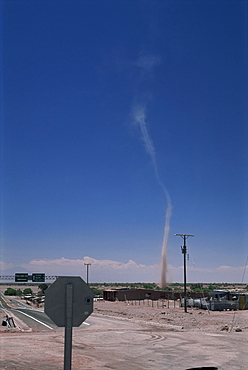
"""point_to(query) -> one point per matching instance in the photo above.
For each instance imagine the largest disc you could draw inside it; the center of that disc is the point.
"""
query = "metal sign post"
(68, 327)
(68, 302)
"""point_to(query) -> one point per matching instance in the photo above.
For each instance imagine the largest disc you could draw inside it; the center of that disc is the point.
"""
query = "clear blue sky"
(78, 184)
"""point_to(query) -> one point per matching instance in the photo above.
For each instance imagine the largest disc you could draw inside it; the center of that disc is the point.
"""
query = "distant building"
(127, 294)
(216, 300)
(241, 297)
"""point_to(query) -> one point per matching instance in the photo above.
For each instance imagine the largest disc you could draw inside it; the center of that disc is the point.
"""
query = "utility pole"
(87, 272)
(184, 252)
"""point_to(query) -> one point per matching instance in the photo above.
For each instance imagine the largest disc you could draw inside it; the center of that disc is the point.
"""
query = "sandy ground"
(134, 335)
(34, 288)
(171, 314)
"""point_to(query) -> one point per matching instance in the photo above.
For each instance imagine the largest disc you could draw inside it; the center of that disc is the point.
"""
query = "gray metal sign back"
(68, 302)
(56, 300)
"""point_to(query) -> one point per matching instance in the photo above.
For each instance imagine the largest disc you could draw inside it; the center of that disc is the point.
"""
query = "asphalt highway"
(34, 318)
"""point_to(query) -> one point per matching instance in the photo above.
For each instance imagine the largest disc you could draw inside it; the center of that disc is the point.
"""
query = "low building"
(242, 297)
(216, 300)
(127, 294)
(232, 300)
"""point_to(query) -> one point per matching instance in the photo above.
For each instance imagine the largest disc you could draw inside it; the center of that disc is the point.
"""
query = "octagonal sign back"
(82, 300)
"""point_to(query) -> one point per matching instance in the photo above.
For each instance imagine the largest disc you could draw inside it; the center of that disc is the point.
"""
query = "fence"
(160, 303)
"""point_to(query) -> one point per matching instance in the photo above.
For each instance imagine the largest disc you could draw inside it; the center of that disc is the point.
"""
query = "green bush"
(197, 287)
(97, 292)
(10, 291)
(42, 288)
(18, 292)
(149, 285)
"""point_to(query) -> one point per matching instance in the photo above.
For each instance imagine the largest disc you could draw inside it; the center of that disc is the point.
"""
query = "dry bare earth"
(164, 312)
(127, 336)
(34, 288)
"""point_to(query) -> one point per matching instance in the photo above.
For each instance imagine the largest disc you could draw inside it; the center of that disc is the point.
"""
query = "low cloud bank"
(111, 271)
(100, 270)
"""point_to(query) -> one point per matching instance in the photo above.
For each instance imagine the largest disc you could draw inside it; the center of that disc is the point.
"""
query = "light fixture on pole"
(184, 251)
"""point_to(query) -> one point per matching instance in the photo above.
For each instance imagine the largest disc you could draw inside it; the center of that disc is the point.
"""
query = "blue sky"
(78, 183)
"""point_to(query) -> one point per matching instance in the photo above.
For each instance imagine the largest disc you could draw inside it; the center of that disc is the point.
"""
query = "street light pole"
(87, 272)
(184, 251)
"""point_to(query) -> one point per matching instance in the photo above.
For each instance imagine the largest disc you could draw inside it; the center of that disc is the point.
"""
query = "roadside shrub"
(10, 291)
(27, 291)
(42, 288)
(18, 292)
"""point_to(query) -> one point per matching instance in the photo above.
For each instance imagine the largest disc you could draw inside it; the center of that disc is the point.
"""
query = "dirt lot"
(20, 286)
(134, 335)
(164, 312)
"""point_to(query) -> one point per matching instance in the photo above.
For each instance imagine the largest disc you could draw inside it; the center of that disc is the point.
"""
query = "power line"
(184, 252)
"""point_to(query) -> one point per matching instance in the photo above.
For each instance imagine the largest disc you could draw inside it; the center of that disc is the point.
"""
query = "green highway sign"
(38, 278)
(24, 277)
(21, 277)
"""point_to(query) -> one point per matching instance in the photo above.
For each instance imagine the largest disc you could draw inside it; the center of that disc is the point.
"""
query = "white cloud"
(130, 271)
(100, 270)
(5, 266)
(221, 274)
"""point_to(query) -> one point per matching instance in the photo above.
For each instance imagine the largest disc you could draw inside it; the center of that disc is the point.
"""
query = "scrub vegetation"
(98, 288)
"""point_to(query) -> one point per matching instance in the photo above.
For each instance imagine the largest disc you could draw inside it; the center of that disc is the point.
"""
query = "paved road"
(34, 318)
(112, 343)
